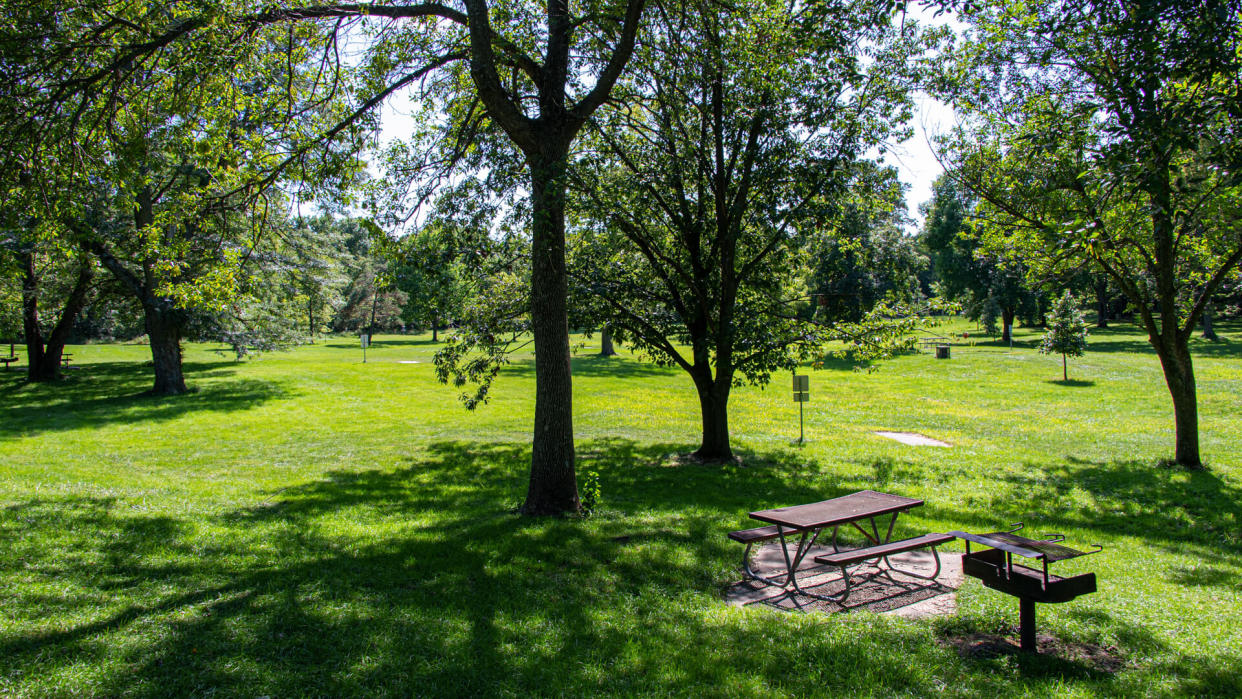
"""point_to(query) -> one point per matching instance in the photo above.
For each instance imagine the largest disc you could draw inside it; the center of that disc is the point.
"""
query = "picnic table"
(808, 521)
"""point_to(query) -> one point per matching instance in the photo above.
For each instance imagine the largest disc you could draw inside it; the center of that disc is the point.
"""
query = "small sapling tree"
(1067, 332)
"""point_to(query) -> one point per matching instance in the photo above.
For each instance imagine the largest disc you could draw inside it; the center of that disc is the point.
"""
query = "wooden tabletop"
(847, 508)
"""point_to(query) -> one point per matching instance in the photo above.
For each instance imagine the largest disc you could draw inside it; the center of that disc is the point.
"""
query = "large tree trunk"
(1209, 332)
(55, 347)
(714, 410)
(30, 318)
(605, 342)
(553, 485)
(1007, 315)
(164, 325)
(1179, 375)
(44, 357)
(1101, 303)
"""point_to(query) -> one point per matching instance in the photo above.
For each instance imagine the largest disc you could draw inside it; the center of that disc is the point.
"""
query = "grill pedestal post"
(1026, 624)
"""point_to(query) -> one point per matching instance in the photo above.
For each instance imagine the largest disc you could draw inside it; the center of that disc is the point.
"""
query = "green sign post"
(801, 394)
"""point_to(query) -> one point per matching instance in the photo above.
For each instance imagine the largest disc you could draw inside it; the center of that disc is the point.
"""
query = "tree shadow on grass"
(416, 578)
(394, 582)
(356, 344)
(1207, 575)
(1071, 383)
(1166, 507)
(885, 470)
(117, 392)
(1195, 675)
(597, 366)
(1224, 348)
(833, 362)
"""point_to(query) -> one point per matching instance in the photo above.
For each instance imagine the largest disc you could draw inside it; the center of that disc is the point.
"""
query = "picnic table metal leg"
(874, 535)
(752, 574)
(791, 579)
(933, 576)
(791, 566)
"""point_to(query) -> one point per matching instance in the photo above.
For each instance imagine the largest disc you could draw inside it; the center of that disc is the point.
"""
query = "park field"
(304, 524)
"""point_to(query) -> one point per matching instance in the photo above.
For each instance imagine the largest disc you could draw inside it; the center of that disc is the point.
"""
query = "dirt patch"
(1085, 656)
(914, 439)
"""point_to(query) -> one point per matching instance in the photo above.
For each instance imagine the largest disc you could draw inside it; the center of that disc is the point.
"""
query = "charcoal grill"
(994, 566)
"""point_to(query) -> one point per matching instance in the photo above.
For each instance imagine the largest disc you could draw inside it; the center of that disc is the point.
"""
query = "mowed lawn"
(304, 524)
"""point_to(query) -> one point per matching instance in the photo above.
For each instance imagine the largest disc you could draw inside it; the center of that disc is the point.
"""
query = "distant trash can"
(942, 351)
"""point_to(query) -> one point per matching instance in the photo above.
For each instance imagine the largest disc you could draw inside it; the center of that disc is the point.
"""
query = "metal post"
(801, 394)
(1026, 624)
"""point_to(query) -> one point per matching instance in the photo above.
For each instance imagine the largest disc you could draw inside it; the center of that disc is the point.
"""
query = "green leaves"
(1067, 331)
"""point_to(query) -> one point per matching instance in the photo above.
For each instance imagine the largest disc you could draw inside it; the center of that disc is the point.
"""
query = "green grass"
(304, 524)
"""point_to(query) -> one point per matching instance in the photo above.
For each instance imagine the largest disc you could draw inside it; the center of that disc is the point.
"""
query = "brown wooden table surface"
(847, 508)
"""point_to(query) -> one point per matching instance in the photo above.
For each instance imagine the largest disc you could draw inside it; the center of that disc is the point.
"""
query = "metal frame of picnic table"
(815, 529)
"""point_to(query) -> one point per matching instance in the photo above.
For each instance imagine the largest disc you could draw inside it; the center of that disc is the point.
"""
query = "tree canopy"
(1105, 134)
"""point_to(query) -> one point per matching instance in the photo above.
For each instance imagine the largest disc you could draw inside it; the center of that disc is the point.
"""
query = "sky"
(914, 158)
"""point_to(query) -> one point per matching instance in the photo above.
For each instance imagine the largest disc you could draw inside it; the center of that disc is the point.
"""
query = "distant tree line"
(322, 275)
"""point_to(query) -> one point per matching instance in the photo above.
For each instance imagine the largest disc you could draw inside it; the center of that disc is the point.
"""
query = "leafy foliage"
(1067, 331)
(991, 284)
(1104, 134)
(726, 165)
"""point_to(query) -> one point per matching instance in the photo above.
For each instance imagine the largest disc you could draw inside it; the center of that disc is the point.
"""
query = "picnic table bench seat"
(750, 536)
(845, 558)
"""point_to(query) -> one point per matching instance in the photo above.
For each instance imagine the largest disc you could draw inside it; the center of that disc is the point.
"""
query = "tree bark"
(1209, 332)
(1172, 342)
(544, 141)
(553, 485)
(30, 318)
(1101, 303)
(164, 324)
(44, 358)
(1064, 368)
(1007, 315)
(54, 349)
(714, 409)
(605, 342)
(1179, 375)
(374, 304)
